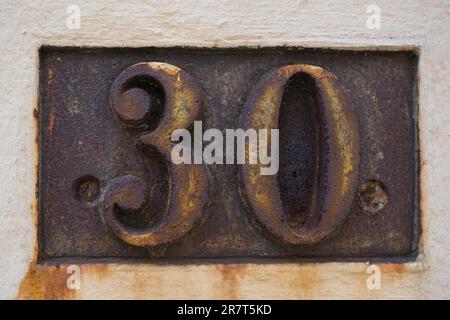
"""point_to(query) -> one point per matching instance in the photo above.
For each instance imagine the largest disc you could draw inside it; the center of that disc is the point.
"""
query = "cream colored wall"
(27, 25)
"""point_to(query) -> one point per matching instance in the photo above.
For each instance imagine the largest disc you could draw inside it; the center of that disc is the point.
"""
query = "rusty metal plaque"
(347, 183)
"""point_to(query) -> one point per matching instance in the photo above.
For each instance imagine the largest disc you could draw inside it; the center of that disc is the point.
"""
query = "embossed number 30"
(338, 156)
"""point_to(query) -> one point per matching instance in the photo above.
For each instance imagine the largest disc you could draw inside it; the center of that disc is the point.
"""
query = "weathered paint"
(221, 281)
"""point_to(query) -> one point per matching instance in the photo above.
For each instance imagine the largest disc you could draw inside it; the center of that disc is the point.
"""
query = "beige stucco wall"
(27, 25)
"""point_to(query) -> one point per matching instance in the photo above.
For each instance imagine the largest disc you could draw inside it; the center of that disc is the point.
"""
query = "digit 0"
(338, 157)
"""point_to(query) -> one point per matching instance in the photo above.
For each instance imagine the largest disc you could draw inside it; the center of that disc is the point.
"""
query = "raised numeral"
(338, 157)
(188, 183)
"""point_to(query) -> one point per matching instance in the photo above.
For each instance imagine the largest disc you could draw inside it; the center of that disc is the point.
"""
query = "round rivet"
(86, 188)
(134, 106)
(372, 196)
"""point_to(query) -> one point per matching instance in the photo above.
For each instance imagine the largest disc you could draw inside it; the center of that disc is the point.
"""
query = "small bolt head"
(134, 106)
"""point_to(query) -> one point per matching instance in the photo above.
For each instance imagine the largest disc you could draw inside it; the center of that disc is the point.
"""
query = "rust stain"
(397, 273)
(50, 76)
(231, 281)
(399, 269)
(304, 283)
(45, 283)
(271, 281)
(51, 124)
(144, 286)
(101, 271)
(231, 276)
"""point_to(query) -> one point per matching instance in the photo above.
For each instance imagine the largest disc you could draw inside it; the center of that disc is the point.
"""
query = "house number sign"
(175, 154)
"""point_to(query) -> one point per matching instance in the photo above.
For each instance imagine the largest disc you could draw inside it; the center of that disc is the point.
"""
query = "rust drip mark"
(399, 269)
(236, 280)
(50, 82)
(34, 284)
(231, 276)
(51, 123)
(45, 283)
(50, 76)
(305, 284)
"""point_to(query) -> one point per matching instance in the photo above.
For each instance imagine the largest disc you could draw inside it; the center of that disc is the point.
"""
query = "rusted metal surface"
(93, 151)
(337, 159)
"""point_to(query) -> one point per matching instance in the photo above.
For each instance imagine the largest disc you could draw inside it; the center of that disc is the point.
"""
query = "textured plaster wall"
(27, 25)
